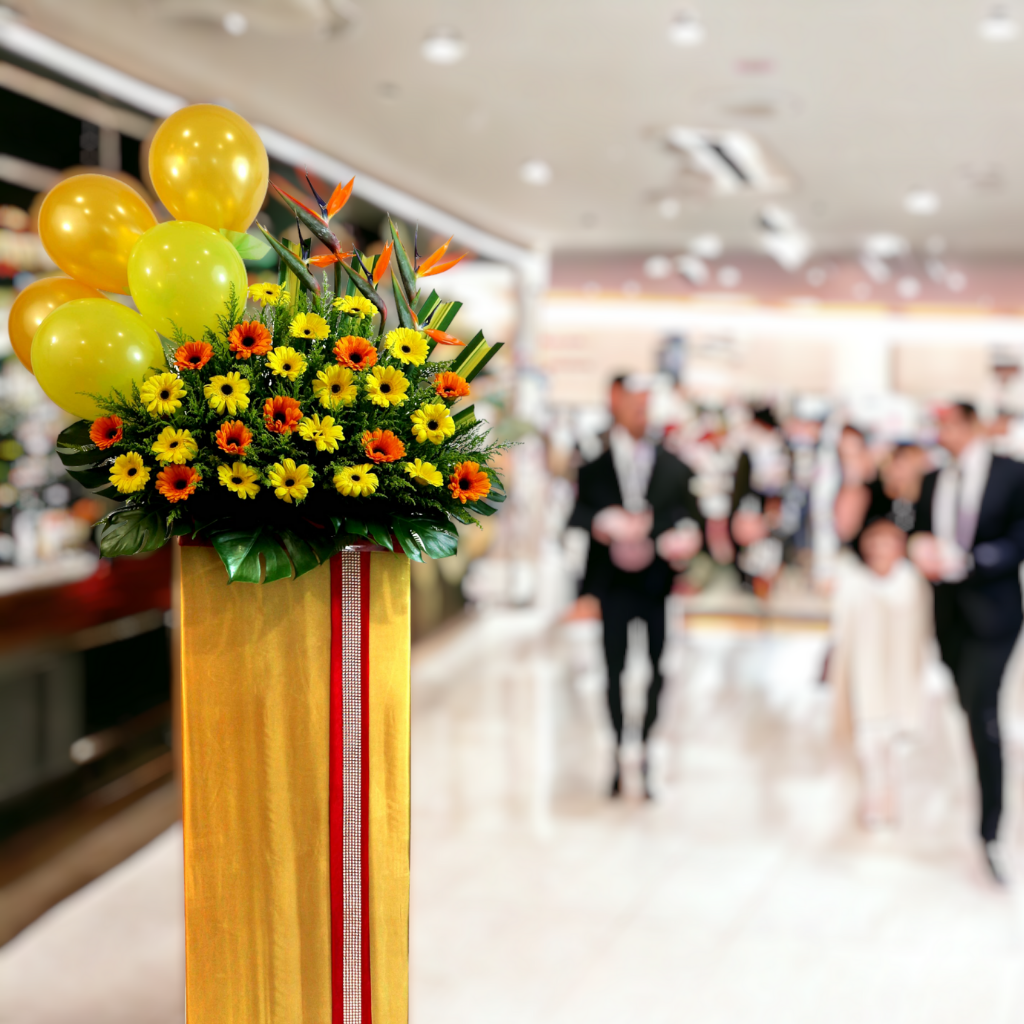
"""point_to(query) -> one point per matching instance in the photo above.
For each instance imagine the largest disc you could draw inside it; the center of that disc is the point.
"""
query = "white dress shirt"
(633, 459)
(956, 505)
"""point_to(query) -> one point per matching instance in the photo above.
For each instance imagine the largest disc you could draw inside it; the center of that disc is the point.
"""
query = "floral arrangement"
(299, 423)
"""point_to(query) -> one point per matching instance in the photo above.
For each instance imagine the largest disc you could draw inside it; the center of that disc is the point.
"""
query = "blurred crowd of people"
(917, 538)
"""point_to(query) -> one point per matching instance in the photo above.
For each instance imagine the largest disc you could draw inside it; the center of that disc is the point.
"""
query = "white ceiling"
(858, 101)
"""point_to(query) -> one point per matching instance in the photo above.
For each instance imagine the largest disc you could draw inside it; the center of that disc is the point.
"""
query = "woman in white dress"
(882, 624)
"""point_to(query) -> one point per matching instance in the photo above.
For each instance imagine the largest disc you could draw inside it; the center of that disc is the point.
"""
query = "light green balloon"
(181, 274)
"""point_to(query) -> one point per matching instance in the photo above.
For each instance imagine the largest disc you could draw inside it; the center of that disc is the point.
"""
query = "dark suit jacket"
(670, 499)
(988, 602)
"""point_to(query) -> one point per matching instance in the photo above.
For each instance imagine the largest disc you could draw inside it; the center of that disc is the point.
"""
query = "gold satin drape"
(255, 663)
(389, 788)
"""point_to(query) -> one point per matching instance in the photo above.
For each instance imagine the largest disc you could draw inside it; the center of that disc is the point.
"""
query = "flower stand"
(295, 755)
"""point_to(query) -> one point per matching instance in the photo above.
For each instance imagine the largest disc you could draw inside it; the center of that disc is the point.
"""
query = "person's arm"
(586, 505)
(1004, 555)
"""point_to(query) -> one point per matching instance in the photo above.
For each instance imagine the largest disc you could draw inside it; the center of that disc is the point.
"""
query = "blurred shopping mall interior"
(778, 220)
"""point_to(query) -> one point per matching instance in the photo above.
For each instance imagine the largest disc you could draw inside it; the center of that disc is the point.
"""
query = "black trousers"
(618, 609)
(977, 666)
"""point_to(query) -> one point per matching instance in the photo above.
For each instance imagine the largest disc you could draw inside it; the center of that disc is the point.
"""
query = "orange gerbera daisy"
(281, 414)
(176, 483)
(250, 338)
(382, 446)
(233, 437)
(355, 353)
(451, 385)
(467, 483)
(106, 431)
(193, 355)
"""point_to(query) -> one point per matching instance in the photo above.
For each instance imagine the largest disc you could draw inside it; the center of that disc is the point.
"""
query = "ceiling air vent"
(734, 162)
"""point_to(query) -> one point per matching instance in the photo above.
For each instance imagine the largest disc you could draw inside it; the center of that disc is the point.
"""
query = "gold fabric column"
(389, 787)
(255, 711)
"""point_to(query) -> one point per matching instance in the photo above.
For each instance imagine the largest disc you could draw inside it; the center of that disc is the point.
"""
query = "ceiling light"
(669, 207)
(884, 245)
(877, 269)
(443, 46)
(235, 23)
(956, 280)
(729, 277)
(657, 267)
(536, 172)
(693, 268)
(921, 202)
(707, 246)
(685, 29)
(908, 287)
(998, 26)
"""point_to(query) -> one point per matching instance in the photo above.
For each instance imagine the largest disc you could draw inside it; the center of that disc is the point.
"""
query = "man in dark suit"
(971, 543)
(644, 524)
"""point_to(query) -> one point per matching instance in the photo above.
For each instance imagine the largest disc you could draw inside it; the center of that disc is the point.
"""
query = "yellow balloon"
(182, 275)
(34, 304)
(92, 347)
(89, 223)
(208, 165)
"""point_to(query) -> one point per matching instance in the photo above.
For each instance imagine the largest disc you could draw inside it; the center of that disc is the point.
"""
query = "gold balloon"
(181, 276)
(89, 224)
(92, 347)
(208, 165)
(34, 304)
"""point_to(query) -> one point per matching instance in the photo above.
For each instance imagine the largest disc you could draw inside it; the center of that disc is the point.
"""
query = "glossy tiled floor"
(743, 893)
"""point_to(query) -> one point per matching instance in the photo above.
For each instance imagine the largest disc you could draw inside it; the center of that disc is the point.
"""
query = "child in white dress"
(882, 622)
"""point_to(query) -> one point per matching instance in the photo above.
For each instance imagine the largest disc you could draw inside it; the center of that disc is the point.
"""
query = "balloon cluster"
(210, 170)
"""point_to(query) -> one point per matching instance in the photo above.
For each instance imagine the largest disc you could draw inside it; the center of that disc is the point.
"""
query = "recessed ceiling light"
(536, 172)
(908, 287)
(884, 245)
(921, 202)
(707, 246)
(235, 23)
(999, 25)
(956, 280)
(657, 267)
(443, 46)
(729, 277)
(669, 207)
(686, 29)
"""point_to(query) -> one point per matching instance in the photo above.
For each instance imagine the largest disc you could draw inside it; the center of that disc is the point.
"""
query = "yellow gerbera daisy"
(129, 473)
(408, 345)
(356, 481)
(162, 393)
(334, 386)
(240, 479)
(286, 362)
(355, 305)
(175, 446)
(421, 472)
(432, 423)
(267, 294)
(324, 433)
(309, 325)
(290, 482)
(229, 393)
(386, 385)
